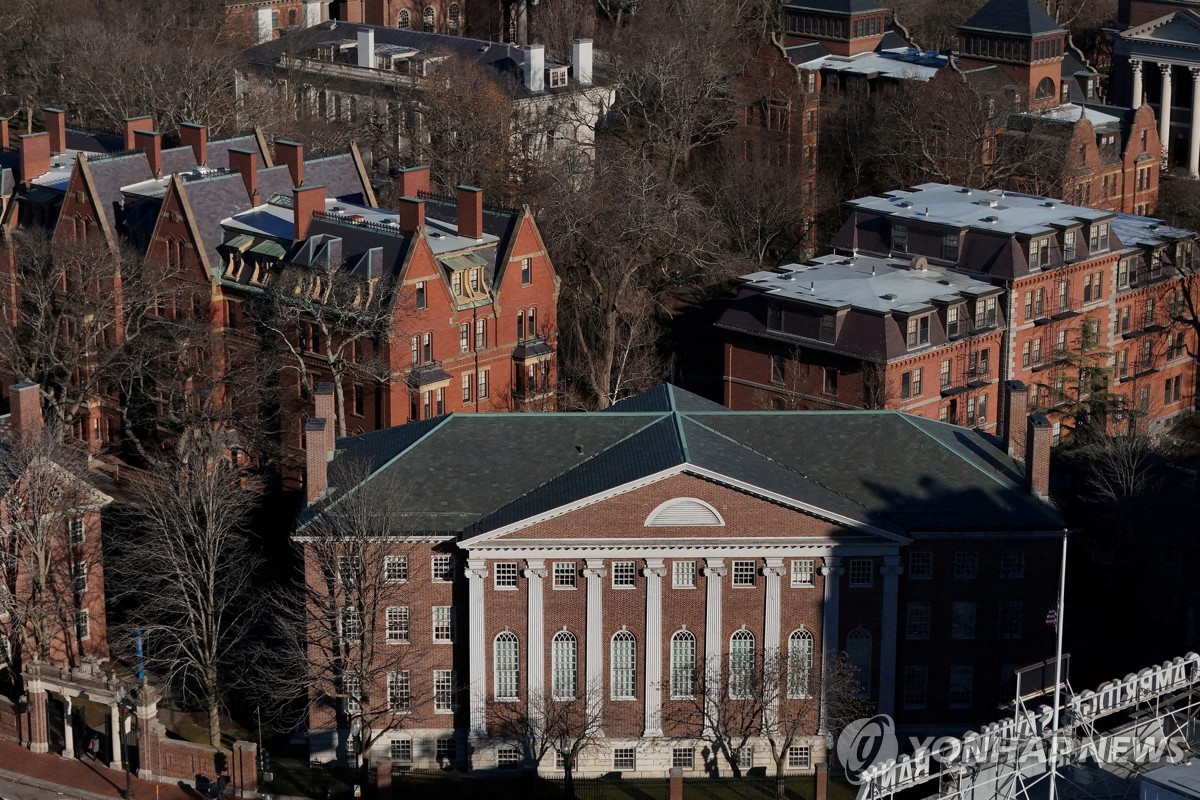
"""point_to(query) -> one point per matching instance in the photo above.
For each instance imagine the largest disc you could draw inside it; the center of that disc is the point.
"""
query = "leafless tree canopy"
(541, 724)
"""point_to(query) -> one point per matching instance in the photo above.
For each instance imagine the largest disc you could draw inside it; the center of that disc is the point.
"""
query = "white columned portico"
(887, 646)
(1164, 116)
(535, 634)
(831, 571)
(1194, 135)
(68, 729)
(714, 573)
(595, 573)
(1138, 91)
(476, 574)
(654, 572)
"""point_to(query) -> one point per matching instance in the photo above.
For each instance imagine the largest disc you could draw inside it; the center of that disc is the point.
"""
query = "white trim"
(650, 518)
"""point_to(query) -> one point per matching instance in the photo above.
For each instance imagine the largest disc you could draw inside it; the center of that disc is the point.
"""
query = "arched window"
(427, 19)
(624, 665)
(404, 20)
(1045, 89)
(683, 664)
(564, 664)
(858, 650)
(453, 18)
(799, 663)
(741, 663)
(507, 666)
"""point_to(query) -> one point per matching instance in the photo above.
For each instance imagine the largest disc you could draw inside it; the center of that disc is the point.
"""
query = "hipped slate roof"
(465, 475)
(1013, 17)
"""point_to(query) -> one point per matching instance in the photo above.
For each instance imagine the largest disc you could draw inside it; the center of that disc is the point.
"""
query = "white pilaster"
(1194, 134)
(477, 572)
(773, 573)
(1136, 66)
(654, 572)
(832, 572)
(887, 646)
(535, 635)
(68, 729)
(114, 741)
(1164, 116)
(714, 637)
(596, 646)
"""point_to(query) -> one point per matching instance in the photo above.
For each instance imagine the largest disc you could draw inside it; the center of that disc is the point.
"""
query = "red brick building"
(263, 20)
(428, 16)
(611, 559)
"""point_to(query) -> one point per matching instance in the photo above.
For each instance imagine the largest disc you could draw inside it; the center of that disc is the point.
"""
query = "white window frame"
(683, 575)
(804, 573)
(861, 573)
(443, 573)
(76, 531)
(443, 691)
(624, 575)
(920, 565)
(799, 756)
(83, 624)
(742, 575)
(624, 759)
(918, 620)
(565, 575)
(396, 622)
(505, 576)
(963, 614)
(1012, 565)
(399, 691)
(799, 663)
(400, 750)
(506, 666)
(742, 661)
(395, 569)
(683, 665)
(623, 662)
(564, 661)
(683, 758)
(443, 624)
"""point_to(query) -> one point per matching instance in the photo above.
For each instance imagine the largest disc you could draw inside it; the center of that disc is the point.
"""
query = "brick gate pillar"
(39, 731)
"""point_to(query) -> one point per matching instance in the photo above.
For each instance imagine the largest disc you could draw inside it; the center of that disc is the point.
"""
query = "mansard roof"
(837, 6)
(1012, 18)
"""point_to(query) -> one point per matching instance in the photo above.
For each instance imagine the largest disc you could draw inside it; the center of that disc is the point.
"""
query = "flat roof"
(1103, 123)
(907, 63)
(1181, 778)
(876, 284)
(61, 166)
(994, 210)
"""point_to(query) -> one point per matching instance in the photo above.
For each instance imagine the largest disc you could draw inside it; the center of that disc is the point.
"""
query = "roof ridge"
(911, 419)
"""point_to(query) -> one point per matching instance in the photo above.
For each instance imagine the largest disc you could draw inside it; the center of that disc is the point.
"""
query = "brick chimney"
(35, 155)
(55, 122)
(196, 137)
(306, 201)
(246, 162)
(292, 154)
(413, 180)
(1016, 408)
(1037, 454)
(132, 126)
(412, 214)
(150, 142)
(5, 136)
(470, 212)
(323, 409)
(26, 406)
(316, 459)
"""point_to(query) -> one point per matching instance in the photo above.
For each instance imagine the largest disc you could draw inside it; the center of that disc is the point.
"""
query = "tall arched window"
(683, 664)
(741, 664)
(1045, 88)
(507, 665)
(427, 19)
(624, 666)
(404, 20)
(858, 651)
(453, 19)
(799, 663)
(564, 664)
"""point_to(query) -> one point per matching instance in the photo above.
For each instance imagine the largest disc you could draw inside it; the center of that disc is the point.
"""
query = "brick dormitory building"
(938, 296)
(611, 559)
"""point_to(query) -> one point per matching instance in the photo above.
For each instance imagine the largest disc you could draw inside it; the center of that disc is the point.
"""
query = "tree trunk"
(214, 724)
(339, 408)
(780, 782)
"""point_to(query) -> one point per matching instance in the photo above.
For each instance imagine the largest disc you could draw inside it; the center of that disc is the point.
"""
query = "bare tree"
(183, 568)
(541, 724)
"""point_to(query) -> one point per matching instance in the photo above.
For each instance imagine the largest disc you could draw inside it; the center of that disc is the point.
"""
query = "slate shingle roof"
(1015, 17)
(838, 6)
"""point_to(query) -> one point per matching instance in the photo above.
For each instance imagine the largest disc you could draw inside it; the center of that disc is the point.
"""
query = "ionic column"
(114, 742)
(595, 573)
(714, 572)
(887, 646)
(1136, 66)
(1194, 140)
(832, 571)
(535, 635)
(773, 572)
(654, 572)
(1164, 116)
(477, 651)
(68, 729)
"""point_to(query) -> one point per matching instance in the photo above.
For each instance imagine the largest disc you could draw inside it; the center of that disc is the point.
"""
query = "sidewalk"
(78, 778)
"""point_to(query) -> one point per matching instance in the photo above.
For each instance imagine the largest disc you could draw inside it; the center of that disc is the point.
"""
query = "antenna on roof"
(332, 24)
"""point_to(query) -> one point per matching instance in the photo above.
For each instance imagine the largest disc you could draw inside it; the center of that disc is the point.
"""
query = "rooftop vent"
(964, 190)
(438, 235)
(905, 204)
(944, 282)
(789, 276)
(991, 220)
(891, 298)
(1049, 204)
(920, 263)
(337, 209)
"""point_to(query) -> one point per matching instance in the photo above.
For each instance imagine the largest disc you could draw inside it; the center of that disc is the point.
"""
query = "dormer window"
(900, 238)
(950, 247)
(952, 321)
(1039, 253)
(1069, 246)
(918, 331)
(774, 317)
(558, 77)
(985, 313)
(1098, 237)
(828, 331)
(456, 283)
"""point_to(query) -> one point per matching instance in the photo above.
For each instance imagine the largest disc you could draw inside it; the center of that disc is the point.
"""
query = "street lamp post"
(125, 707)
(568, 781)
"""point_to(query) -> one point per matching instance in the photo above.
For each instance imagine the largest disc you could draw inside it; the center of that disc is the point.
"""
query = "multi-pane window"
(683, 574)
(467, 380)
(741, 664)
(950, 247)
(944, 374)
(507, 665)
(900, 238)
(480, 334)
(985, 312)
(1012, 564)
(799, 663)
(351, 624)
(745, 757)
(443, 567)
(743, 573)
(624, 665)
(564, 665)
(918, 331)
(445, 750)
(426, 348)
(396, 619)
(803, 572)
(443, 624)
(910, 384)
(917, 626)
(526, 272)
(916, 686)
(399, 691)
(962, 619)
(505, 573)
(1098, 237)
(1039, 253)
(350, 570)
(395, 569)
(1009, 623)
(683, 757)
(351, 692)
(962, 685)
(464, 336)
(862, 572)
(79, 575)
(683, 664)
(400, 750)
(75, 531)
(508, 756)
(1069, 246)
(966, 565)
(624, 574)
(920, 565)
(421, 299)
(799, 756)
(83, 627)
(952, 321)
(564, 574)
(482, 387)
(624, 758)
(443, 691)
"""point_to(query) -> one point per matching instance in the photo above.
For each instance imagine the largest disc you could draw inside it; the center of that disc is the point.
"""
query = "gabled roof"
(1012, 17)
(1176, 28)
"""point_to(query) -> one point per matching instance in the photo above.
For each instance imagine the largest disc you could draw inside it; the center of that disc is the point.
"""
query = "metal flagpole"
(1058, 652)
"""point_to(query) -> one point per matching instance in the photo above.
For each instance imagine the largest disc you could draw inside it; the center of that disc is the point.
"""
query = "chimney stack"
(55, 122)
(412, 214)
(470, 212)
(135, 124)
(323, 409)
(581, 61)
(366, 48)
(535, 67)
(1037, 454)
(35, 155)
(26, 405)
(150, 142)
(414, 180)
(246, 162)
(1016, 408)
(316, 459)
(292, 154)
(196, 137)
(306, 202)
(5, 136)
